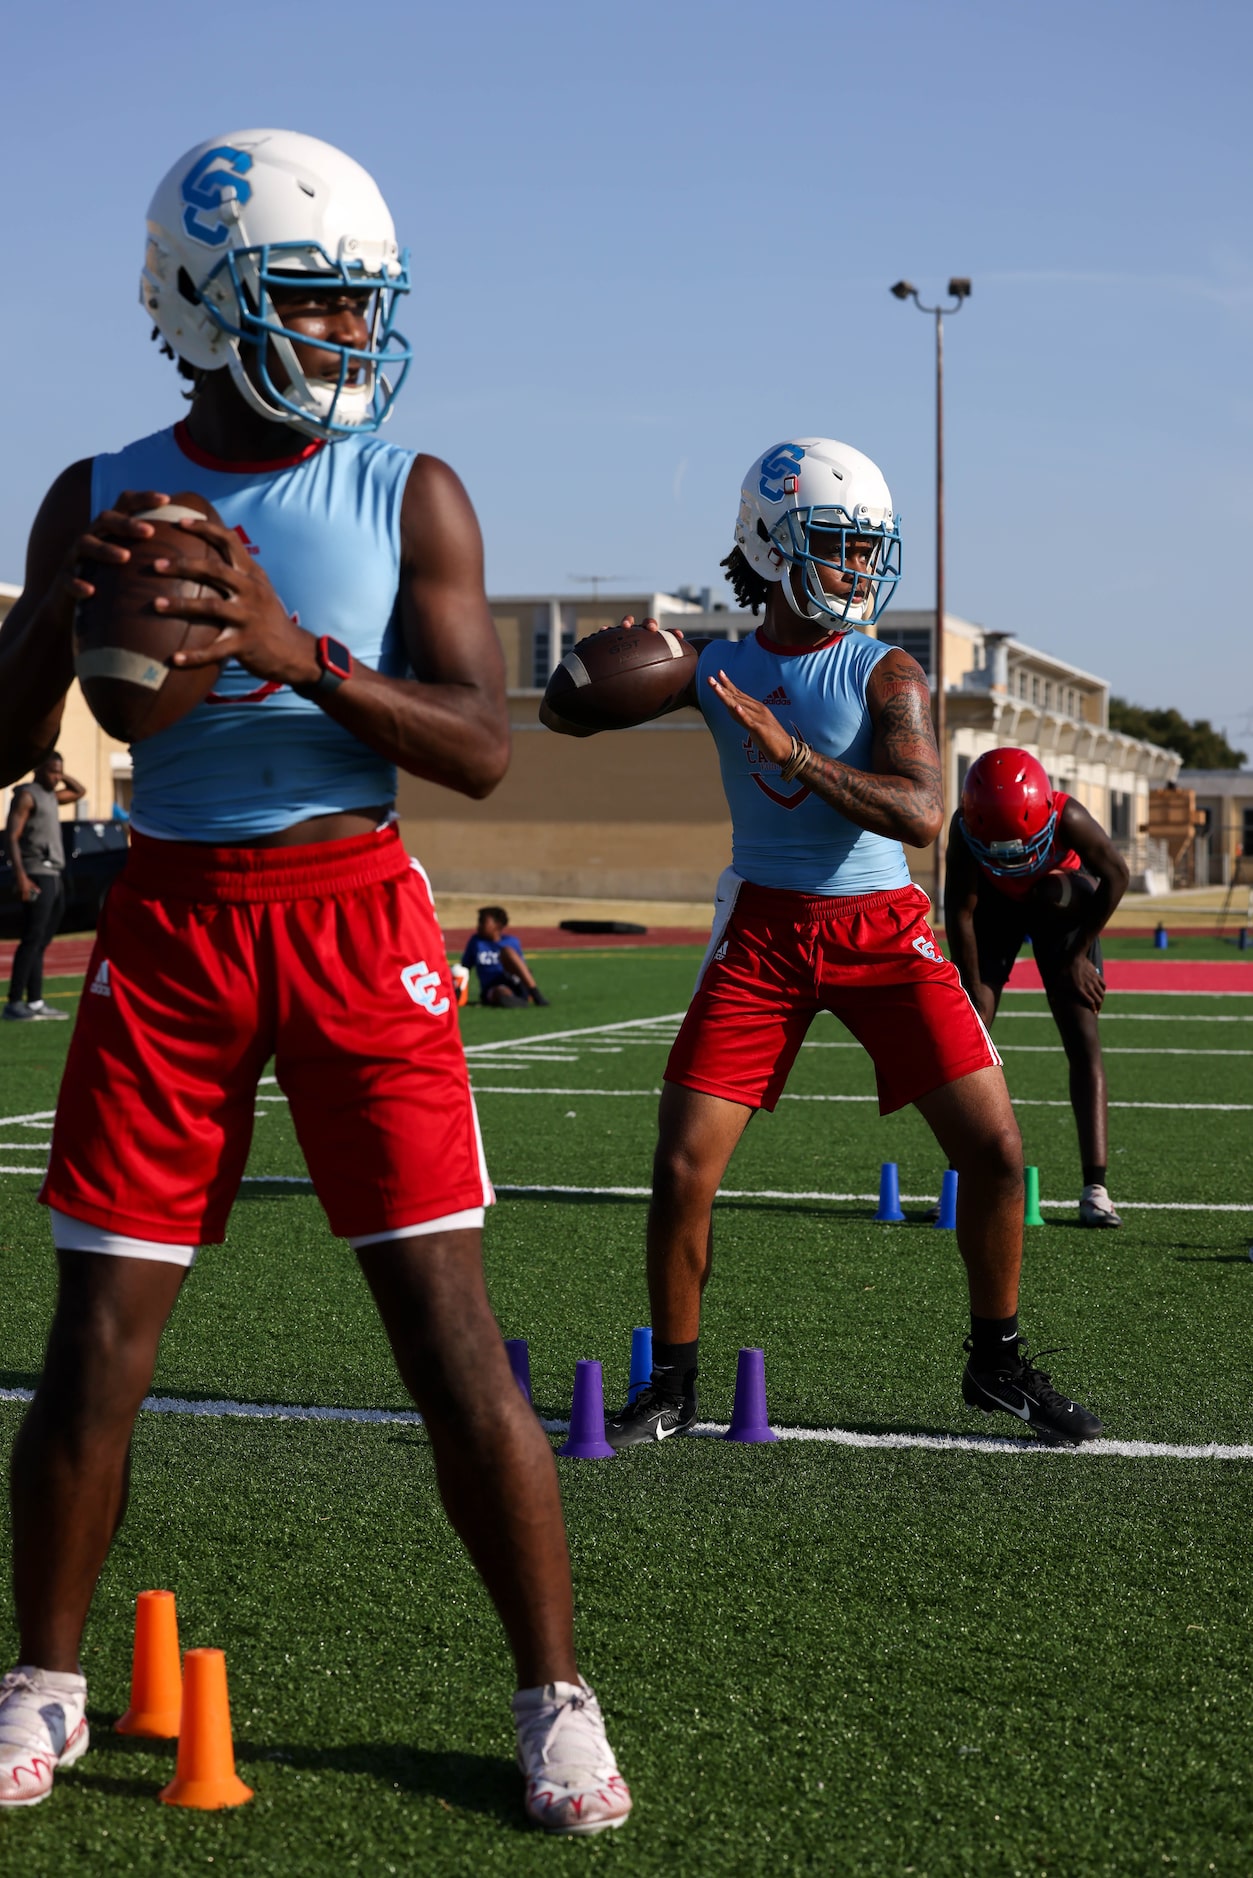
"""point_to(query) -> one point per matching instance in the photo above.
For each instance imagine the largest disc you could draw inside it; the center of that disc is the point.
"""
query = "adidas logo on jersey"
(777, 696)
(100, 983)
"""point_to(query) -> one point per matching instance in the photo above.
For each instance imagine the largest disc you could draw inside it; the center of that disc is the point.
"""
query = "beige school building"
(640, 815)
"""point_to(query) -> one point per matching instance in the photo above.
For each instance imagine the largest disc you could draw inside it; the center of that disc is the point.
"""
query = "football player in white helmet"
(830, 767)
(816, 517)
(265, 816)
(236, 231)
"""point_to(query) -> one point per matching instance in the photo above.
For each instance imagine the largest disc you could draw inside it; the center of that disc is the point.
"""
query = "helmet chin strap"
(311, 422)
(815, 609)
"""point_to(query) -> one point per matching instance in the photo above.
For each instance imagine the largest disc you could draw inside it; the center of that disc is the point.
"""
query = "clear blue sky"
(650, 240)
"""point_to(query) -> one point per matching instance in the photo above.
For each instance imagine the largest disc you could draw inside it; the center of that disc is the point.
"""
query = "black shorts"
(1001, 926)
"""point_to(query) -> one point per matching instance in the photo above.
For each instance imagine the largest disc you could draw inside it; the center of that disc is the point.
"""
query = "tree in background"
(1199, 744)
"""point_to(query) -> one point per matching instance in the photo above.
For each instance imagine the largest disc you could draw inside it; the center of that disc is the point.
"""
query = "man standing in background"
(37, 856)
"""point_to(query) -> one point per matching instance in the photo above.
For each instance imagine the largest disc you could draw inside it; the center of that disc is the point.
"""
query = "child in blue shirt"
(505, 978)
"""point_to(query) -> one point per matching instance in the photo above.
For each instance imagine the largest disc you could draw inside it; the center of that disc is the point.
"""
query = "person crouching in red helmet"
(1025, 858)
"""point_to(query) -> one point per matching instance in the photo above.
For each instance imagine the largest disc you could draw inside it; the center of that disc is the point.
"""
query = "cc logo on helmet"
(777, 466)
(205, 188)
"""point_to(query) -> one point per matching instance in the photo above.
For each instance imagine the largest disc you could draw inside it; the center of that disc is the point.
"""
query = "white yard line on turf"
(507, 1190)
(911, 1199)
(1132, 1017)
(560, 1036)
(835, 1437)
(1051, 1049)
(1022, 1102)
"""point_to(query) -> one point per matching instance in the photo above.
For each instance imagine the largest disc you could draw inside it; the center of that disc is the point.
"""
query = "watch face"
(336, 657)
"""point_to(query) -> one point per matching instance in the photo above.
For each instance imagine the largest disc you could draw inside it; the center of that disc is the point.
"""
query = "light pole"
(959, 293)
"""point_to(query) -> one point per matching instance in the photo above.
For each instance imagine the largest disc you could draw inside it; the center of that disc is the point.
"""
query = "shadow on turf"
(471, 1783)
(19, 1379)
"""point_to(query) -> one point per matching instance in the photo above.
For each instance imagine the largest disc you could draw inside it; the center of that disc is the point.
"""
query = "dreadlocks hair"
(185, 370)
(750, 589)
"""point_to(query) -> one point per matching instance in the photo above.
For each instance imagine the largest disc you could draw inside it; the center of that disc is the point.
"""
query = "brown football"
(620, 677)
(123, 646)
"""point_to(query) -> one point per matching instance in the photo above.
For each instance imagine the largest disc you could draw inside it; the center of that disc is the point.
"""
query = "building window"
(1048, 694)
(1120, 814)
(541, 661)
(916, 640)
(1022, 684)
(1247, 838)
(1035, 691)
(963, 765)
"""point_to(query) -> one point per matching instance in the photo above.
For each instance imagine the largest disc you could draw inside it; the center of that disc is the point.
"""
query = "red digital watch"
(336, 662)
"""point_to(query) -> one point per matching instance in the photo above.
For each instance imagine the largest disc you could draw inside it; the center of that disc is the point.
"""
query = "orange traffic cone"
(156, 1680)
(205, 1774)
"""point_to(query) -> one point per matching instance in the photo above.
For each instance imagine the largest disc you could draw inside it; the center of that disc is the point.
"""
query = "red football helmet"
(1007, 813)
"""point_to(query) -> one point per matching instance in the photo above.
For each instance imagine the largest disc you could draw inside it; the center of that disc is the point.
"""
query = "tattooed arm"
(900, 796)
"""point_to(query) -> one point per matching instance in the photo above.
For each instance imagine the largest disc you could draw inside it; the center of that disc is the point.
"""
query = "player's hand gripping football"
(253, 624)
(649, 625)
(104, 541)
(762, 724)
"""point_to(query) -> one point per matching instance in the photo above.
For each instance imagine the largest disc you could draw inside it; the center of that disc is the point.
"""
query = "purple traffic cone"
(889, 1213)
(749, 1421)
(520, 1363)
(587, 1416)
(948, 1201)
(641, 1362)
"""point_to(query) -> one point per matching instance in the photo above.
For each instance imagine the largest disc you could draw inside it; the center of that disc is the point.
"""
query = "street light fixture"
(959, 293)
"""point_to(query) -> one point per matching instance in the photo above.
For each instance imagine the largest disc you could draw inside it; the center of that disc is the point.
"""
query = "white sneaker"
(572, 1779)
(1096, 1208)
(44, 1013)
(42, 1727)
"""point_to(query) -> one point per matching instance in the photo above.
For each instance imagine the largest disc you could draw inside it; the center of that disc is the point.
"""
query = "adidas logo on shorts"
(777, 696)
(100, 983)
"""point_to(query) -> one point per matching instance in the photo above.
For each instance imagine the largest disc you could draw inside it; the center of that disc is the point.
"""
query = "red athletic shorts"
(210, 961)
(871, 959)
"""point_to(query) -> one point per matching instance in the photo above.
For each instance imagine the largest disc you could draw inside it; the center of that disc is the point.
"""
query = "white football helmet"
(250, 211)
(815, 484)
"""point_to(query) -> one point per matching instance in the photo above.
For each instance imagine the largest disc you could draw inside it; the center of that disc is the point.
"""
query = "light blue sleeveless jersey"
(255, 758)
(783, 834)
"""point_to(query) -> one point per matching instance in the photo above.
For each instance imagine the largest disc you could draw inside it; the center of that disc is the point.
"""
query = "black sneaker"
(1023, 1390)
(651, 1417)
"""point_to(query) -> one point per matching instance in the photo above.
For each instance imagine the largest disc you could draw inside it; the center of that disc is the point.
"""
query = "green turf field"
(814, 1657)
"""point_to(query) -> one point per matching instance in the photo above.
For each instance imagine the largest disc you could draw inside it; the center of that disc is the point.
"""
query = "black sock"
(993, 1341)
(1094, 1176)
(674, 1367)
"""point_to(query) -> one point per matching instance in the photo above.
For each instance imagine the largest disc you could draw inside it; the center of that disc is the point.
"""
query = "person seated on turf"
(505, 978)
(1025, 858)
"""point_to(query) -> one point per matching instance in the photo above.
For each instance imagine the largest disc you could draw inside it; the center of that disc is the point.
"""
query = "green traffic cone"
(1033, 1216)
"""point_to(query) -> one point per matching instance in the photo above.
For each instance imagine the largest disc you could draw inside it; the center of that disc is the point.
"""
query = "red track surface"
(62, 957)
(1230, 976)
(551, 939)
(70, 954)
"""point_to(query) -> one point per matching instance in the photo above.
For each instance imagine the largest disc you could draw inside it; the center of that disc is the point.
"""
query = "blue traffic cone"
(520, 1363)
(641, 1362)
(948, 1201)
(889, 1213)
(749, 1421)
(587, 1416)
